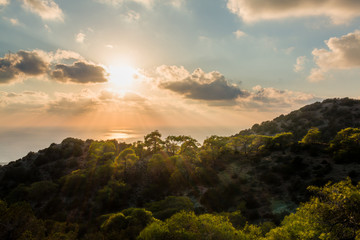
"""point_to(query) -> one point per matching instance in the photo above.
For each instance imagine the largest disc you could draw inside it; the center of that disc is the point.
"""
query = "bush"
(169, 206)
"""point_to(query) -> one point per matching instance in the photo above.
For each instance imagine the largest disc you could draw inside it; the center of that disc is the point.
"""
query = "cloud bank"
(268, 99)
(340, 11)
(61, 103)
(213, 89)
(26, 64)
(343, 53)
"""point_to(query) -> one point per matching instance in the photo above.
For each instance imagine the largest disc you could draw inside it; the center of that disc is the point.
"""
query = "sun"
(122, 75)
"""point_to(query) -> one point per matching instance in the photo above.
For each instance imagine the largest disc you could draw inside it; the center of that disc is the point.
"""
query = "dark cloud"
(22, 64)
(219, 89)
(25, 64)
(30, 63)
(7, 73)
(200, 85)
(79, 72)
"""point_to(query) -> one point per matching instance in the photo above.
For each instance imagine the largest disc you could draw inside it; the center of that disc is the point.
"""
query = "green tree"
(313, 136)
(153, 141)
(281, 141)
(157, 169)
(333, 213)
(212, 149)
(19, 222)
(241, 143)
(172, 144)
(112, 196)
(189, 149)
(186, 225)
(346, 145)
(128, 159)
(126, 224)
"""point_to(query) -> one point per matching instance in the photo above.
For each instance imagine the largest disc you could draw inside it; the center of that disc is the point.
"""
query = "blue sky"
(147, 64)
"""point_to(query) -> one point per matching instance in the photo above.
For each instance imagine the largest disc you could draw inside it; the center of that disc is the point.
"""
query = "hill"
(330, 116)
(110, 190)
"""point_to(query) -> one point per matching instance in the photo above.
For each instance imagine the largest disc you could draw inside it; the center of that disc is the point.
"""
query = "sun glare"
(122, 75)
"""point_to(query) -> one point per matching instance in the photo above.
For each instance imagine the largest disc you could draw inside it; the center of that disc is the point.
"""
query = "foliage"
(331, 214)
(153, 141)
(100, 151)
(112, 196)
(169, 206)
(126, 224)
(249, 144)
(18, 222)
(281, 141)
(38, 190)
(346, 145)
(186, 225)
(313, 136)
(127, 159)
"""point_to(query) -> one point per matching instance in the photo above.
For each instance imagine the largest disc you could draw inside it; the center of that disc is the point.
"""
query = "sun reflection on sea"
(122, 135)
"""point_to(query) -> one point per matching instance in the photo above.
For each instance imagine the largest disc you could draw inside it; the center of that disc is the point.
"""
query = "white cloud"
(343, 53)
(147, 3)
(171, 73)
(269, 99)
(340, 11)
(132, 16)
(175, 3)
(316, 75)
(13, 21)
(47, 28)
(288, 50)
(4, 2)
(215, 90)
(60, 54)
(46, 9)
(239, 34)
(80, 37)
(300, 62)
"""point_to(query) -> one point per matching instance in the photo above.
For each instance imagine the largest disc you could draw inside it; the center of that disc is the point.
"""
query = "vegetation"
(248, 186)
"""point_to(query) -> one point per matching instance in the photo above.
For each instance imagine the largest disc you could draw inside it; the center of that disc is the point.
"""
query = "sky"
(121, 68)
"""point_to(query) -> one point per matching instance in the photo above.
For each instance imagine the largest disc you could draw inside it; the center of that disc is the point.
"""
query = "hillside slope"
(330, 116)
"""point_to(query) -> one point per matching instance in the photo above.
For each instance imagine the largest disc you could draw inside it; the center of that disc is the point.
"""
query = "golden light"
(122, 75)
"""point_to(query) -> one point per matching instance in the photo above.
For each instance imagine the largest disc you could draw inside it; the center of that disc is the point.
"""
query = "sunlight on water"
(123, 135)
